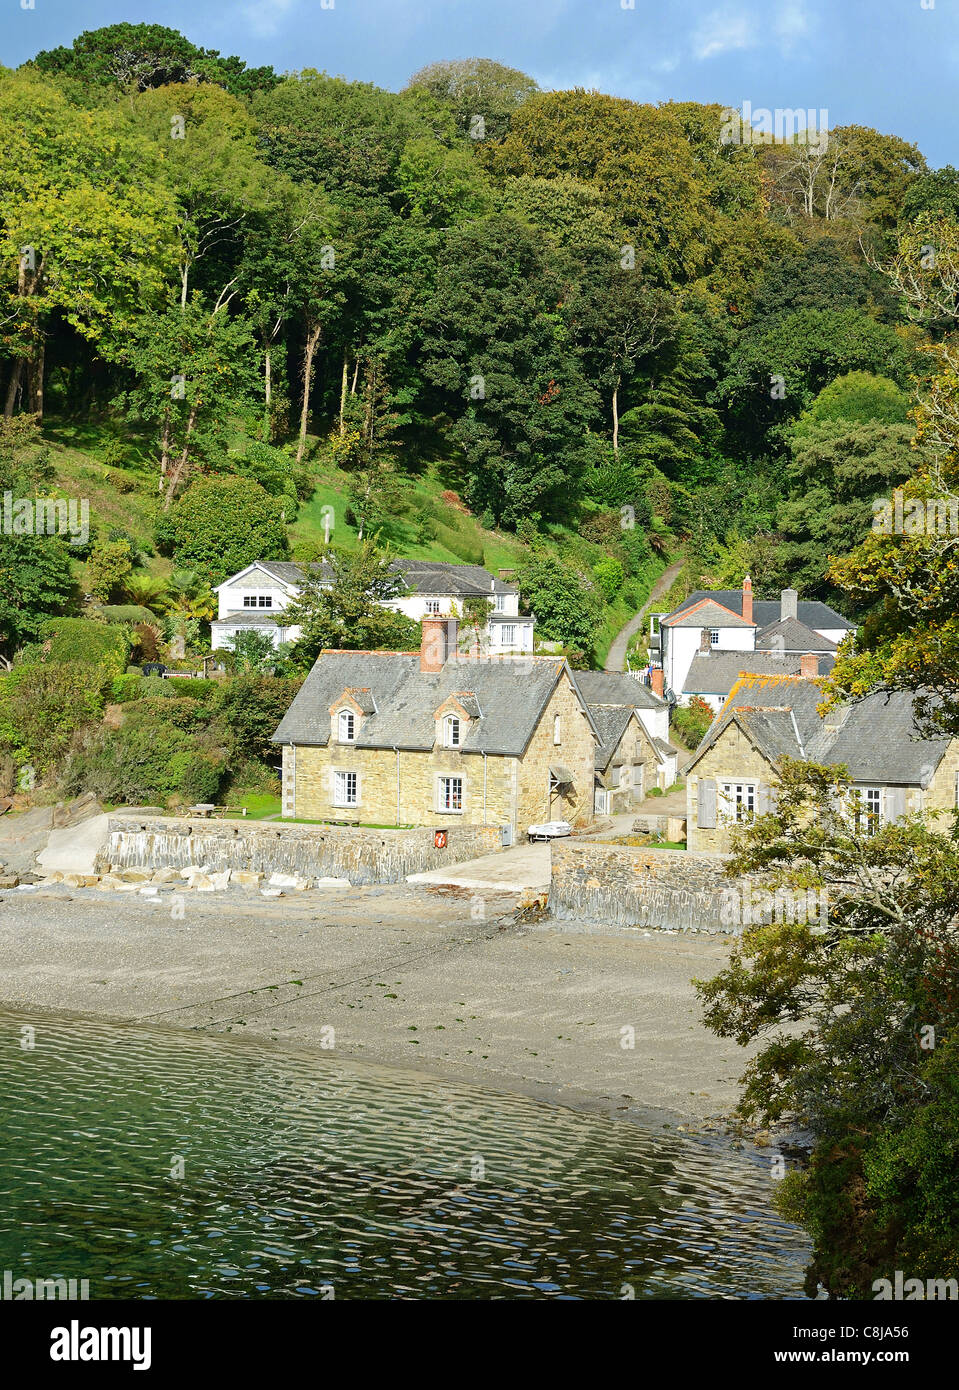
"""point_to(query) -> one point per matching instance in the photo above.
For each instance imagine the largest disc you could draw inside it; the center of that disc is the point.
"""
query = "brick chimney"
(809, 665)
(748, 599)
(656, 681)
(437, 640)
(789, 604)
(705, 645)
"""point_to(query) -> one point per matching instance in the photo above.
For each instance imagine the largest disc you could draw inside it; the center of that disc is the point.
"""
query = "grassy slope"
(458, 537)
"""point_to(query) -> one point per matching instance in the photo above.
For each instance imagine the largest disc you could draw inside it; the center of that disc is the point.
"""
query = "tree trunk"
(13, 390)
(267, 379)
(36, 367)
(616, 418)
(312, 338)
(356, 375)
(345, 383)
(180, 467)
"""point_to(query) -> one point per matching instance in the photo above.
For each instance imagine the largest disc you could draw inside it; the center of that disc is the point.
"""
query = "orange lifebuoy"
(439, 839)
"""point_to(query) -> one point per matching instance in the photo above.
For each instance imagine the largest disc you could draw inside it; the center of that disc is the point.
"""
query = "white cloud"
(792, 23)
(265, 17)
(721, 31)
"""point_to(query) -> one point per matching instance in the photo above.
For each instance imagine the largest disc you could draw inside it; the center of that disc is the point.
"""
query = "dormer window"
(451, 731)
(346, 726)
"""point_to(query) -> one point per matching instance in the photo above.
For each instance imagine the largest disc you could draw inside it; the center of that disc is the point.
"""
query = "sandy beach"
(402, 975)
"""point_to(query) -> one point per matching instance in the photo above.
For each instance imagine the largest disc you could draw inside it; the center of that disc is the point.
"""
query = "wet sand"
(404, 975)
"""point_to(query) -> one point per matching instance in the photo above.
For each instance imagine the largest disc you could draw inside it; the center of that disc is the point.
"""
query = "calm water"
(301, 1171)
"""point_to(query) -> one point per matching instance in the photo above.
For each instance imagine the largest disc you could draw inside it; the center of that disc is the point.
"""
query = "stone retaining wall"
(311, 851)
(616, 885)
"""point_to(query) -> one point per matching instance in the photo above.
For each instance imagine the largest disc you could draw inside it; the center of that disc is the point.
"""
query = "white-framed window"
(714, 636)
(557, 728)
(346, 726)
(345, 789)
(452, 730)
(508, 635)
(739, 800)
(257, 600)
(433, 606)
(867, 810)
(450, 794)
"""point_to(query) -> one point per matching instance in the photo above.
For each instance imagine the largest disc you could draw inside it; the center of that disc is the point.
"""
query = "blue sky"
(891, 64)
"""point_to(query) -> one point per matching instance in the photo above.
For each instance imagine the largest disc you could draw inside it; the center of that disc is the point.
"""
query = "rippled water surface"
(301, 1172)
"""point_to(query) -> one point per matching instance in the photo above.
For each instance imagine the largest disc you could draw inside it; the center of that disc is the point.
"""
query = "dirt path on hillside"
(616, 657)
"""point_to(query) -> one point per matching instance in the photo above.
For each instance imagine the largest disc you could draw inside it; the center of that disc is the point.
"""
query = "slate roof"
(716, 672)
(292, 573)
(707, 613)
(611, 723)
(245, 617)
(615, 688)
(765, 611)
(790, 635)
(875, 738)
(441, 577)
(407, 699)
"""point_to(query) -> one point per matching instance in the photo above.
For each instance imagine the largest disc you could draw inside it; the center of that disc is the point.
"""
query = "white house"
(257, 596)
(730, 620)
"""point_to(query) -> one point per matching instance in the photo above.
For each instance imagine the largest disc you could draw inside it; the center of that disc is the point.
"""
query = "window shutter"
(894, 803)
(706, 805)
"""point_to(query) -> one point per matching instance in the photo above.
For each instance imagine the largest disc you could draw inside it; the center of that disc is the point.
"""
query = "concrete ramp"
(74, 849)
(517, 870)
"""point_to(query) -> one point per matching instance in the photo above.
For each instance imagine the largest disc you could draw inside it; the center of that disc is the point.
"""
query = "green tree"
(148, 55)
(221, 524)
(838, 998)
(108, 569)
(476, 87)
(566, 605)
(349, 614)
(86, 229)
(192, 367)
(506, 370)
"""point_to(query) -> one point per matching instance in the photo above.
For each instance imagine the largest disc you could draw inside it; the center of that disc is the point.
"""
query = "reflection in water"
(159, 1164)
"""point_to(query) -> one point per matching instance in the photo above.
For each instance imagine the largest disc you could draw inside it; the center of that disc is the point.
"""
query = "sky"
(890, 64)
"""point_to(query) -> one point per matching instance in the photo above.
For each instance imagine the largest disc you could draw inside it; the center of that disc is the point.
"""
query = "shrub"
(197, 778)
(609, 575)
(125, 613)
(43, 705)
(83, 640)
(252, 706)
(126, 687)
(221, 524)
(692, 721)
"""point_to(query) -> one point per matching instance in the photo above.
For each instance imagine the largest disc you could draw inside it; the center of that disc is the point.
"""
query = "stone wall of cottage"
(576, 751)
(940, 795)
(419, 773)
(637, 767)
(516, 789)
(732, 758)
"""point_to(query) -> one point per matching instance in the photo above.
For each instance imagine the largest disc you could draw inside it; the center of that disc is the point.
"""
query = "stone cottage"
(767, 717)
(436, 737)
(634, 754)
